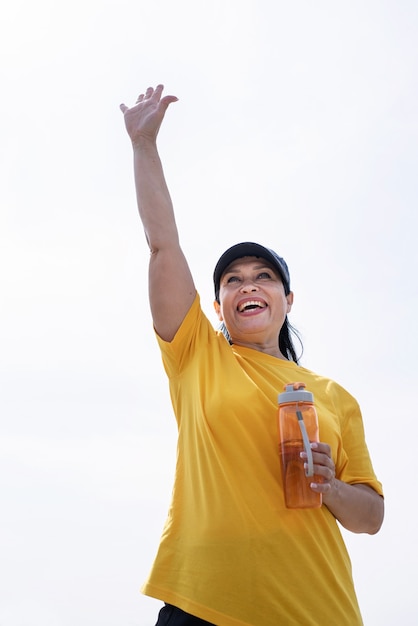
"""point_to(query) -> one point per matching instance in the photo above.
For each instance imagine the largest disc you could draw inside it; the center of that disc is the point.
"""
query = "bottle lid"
(295, 392)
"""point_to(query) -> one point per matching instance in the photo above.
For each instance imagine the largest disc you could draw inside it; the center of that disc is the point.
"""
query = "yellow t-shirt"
(231, 553)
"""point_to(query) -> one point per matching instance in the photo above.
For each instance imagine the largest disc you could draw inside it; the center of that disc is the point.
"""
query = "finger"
(319, 457)
(140, 98)
(319, 446)
(149, 93)
(164, 102)
(321, 487)
(123, 108)
(327, 473)
(324, 467)
(158, 91)
(323, 459)
(324, 470)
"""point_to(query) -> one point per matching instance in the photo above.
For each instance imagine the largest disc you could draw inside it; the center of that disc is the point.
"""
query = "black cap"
(249, 248)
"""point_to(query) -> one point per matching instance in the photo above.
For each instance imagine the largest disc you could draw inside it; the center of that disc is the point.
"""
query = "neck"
(271, 349)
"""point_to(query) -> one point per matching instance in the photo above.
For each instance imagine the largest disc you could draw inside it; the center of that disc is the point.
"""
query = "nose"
(248, 286)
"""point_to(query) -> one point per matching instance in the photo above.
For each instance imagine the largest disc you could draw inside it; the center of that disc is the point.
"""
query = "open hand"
(144, 119)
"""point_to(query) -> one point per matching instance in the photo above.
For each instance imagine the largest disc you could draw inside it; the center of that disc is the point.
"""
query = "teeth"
(250, 304)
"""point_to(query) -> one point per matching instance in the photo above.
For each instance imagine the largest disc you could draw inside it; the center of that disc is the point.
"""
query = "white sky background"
(297, 127)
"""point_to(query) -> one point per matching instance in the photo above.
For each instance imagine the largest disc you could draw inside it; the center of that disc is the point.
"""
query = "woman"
(231, 553)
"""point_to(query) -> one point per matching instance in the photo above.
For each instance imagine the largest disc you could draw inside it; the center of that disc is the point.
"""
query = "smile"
(250, 305)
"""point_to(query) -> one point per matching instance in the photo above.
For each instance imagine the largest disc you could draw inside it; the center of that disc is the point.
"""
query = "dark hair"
(286, 345)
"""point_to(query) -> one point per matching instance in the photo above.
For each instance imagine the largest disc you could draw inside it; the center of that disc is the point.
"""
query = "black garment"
(172, 616)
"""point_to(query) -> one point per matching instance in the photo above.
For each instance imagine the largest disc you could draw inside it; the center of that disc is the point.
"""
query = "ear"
(217, 308)
(289, 299)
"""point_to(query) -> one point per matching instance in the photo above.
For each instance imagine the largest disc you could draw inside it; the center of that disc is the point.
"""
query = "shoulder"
(196, 338)
(324, 387)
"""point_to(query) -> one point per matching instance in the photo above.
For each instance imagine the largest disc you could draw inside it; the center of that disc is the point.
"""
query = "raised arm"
(171, 286)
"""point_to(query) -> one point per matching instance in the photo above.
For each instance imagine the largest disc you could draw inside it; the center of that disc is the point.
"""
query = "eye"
(232, 279)
(264, 275)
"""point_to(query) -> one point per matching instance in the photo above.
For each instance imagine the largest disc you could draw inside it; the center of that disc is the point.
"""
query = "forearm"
(358, 508)
(153, 197)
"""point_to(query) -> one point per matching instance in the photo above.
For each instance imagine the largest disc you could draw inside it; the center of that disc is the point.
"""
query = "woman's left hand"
(357, 507)
(324, 467)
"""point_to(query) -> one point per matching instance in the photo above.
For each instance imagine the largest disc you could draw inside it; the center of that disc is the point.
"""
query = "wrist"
(333, 494)
(143, 143)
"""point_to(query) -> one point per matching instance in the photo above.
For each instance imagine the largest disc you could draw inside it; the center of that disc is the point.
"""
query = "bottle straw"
(306, 444)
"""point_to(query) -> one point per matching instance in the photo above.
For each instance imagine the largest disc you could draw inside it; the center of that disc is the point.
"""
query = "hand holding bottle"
(308, 468)
(324, 467)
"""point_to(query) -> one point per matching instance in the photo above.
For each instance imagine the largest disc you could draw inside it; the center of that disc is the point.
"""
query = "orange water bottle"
(298, 425)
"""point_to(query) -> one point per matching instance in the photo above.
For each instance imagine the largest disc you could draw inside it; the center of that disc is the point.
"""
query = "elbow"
(378, 517)
(373, 506)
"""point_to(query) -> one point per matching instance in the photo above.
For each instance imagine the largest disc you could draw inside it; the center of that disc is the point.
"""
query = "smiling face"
(253, 304)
